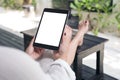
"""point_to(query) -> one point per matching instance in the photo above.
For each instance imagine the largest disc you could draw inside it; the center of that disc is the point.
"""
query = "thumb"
(31, 43)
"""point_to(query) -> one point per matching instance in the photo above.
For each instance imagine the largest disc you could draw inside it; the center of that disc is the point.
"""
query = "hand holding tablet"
(51, 28)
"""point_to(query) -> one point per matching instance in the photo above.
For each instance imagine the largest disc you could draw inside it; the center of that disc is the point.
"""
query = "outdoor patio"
(12, 22)
(16, 41)
(12, 38)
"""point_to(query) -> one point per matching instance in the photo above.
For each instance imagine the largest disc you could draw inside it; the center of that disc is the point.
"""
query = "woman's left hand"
(34, 52)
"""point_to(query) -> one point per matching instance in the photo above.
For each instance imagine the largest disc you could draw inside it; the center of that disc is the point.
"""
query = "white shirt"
(16, 65)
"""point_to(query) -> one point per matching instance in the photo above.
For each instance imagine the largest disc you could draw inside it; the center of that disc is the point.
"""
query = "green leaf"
(95, 31)
(89, 7)
(118, 26)
(98, 6)
(76, 2)
(117, 17)
(75, 14)
(73, 6)
(84, 1)
(110, 8)
(91, 0)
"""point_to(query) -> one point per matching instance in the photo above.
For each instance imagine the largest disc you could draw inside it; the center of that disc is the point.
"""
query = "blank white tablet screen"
(51, 28)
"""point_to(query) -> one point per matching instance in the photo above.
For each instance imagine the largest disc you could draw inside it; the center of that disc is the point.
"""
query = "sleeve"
(60, 70)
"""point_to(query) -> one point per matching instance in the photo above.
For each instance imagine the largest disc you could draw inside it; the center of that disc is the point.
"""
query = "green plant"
(117, 17)
(13, 4)
(104, 11)
(34, 3)
(102, 8)
(83, 5)
(77, 6)
(89, 6)
(16, 4)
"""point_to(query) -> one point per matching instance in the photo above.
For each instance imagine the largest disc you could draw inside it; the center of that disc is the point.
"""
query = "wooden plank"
(9, 33)
(95, 38)
(11, 36)
(30, 32)
(87, 52)
(10, 43)
(11, 40)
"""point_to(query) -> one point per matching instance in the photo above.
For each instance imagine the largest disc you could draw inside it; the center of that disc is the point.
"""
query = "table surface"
(89, 40)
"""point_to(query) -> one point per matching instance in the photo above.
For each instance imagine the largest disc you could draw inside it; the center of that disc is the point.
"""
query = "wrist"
(64, 58)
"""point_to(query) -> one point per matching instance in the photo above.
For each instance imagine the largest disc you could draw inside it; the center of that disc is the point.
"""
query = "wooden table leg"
(99, 62)
(78, 67)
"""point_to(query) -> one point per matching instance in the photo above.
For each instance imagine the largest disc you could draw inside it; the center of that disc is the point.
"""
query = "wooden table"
(91, 44)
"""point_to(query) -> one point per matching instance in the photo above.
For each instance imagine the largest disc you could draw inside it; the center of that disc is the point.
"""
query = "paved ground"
(16, 22)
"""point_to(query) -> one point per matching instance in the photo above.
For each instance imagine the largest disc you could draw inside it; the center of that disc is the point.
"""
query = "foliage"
(60, 3)
(102, 8)
(34, 3)
(104, 11)
(13, 4)
(77, 5)
(16, 4)
(117, 17)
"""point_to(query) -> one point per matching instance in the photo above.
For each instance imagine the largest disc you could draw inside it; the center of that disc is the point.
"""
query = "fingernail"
(65, 34)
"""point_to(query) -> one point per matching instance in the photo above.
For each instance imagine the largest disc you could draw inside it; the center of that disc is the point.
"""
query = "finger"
(42, 50)
(31, 43)
(36, 50)
(56, 56)
(39, 50)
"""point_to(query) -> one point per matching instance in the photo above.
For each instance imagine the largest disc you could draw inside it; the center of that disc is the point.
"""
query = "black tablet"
(50, 29)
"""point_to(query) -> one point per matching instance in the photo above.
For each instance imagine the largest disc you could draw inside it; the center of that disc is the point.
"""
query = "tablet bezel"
(54, 11)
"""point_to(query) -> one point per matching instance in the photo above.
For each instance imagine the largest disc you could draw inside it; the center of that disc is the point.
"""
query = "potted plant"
(102, 9)
(82, 6)
(104, 12)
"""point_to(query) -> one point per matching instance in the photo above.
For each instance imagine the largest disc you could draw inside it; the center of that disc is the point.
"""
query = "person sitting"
(16, 65)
